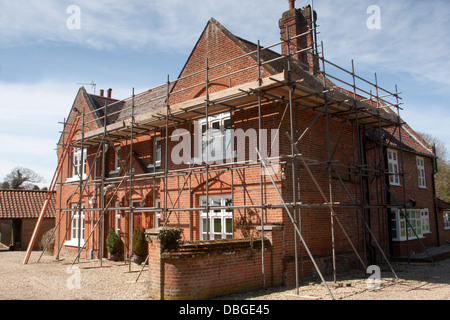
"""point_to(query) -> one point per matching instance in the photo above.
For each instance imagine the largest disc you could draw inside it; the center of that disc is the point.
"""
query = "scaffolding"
(361, 105)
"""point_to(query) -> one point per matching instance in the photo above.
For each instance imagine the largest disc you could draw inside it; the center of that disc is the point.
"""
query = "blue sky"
(124, 44)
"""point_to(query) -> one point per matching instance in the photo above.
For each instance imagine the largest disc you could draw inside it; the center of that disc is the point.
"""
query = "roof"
(151, 103)
(410, 141)
(442, 205)
(24, 204)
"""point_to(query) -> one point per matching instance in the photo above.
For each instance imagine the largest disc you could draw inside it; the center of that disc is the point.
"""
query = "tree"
(442, 177)
(22, 179)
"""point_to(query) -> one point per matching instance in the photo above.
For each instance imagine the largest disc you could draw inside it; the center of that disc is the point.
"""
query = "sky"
(50, 48)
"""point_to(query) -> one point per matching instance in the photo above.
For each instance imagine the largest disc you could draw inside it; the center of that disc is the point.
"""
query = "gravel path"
(52, 280)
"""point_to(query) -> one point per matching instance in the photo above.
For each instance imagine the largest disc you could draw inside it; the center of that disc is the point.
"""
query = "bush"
(113, 243)
(139, 243)
(170, 238)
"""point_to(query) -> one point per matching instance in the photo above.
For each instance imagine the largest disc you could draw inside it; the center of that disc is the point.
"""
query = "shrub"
(139, 243)
(113, 243)
(170, 238)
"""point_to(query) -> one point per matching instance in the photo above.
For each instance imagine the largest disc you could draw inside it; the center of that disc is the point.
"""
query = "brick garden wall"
(212, 269)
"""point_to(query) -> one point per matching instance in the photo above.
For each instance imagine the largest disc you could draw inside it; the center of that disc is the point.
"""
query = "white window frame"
(446, 216)
(425, 217)
(157, 152)
(157, 216)
(117, 159)
(393, 168)
(223, 216)
(76, 223)
(76, 165)
(117, 219)
(418, 218)
(420, 161)
(220, 137)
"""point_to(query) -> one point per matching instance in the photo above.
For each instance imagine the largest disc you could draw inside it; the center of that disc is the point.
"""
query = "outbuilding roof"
(24, 204)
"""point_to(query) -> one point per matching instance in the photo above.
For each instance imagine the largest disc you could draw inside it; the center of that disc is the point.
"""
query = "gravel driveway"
(51, 280)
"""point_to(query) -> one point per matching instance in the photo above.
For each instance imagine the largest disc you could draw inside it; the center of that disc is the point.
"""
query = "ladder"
(51, 189)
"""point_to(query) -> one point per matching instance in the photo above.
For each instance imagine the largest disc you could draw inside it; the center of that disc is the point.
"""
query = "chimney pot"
(291, 4)
(109, 93)
(102, 92)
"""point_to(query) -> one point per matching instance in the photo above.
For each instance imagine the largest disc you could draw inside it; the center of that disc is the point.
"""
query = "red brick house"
(337, 167)
(19, 211)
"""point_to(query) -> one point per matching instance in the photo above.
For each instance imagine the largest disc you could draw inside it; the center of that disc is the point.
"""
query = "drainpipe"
(435, 171)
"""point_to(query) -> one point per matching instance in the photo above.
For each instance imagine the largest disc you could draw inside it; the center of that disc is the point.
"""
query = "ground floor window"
(419, 223)
(117, 219)
(157, 217)
(76, 226)
(216, 223)
(447, 220)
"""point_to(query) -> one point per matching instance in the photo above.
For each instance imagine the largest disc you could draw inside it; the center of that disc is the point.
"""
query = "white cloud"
(413, 38)
(164, 25)
(30, 122)
(29, 127)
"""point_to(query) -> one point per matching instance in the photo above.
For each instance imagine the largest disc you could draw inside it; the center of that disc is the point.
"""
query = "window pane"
(216, 202)
(217, 225)
(205, 225)
(228, 203)
(216, 126)
(229, 226)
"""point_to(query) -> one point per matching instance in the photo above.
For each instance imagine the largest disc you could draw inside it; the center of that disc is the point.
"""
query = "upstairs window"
(117, 159)
(394, 176)
(421, 172)
(78, 168)
(157, 152)
(216, 138)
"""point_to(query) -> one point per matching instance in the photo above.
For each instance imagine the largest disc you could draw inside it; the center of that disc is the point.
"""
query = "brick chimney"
(102, 93)
(109, 93)
(296, 22)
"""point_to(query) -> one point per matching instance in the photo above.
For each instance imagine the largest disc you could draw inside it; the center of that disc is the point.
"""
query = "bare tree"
(22, 179)
(443, 167)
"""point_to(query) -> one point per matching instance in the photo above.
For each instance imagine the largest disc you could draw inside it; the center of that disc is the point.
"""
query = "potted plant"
(139, 246)
(113, 245)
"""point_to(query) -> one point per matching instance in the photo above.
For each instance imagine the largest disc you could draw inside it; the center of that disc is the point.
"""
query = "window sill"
(221, 160)
(73, 243)
(76, 178)
(409, 239)
(395, 185)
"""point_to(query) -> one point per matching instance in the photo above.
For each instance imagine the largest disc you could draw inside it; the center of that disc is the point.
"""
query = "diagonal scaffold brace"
(263, 162)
